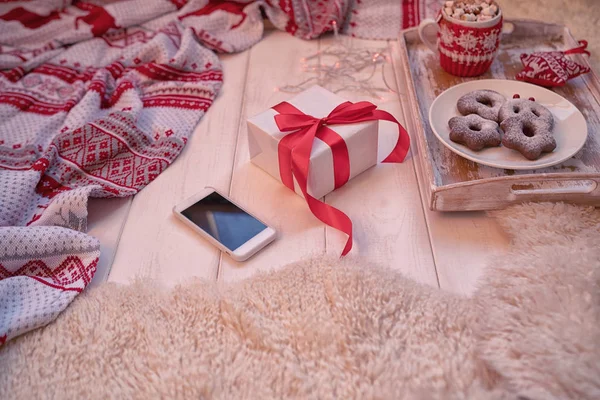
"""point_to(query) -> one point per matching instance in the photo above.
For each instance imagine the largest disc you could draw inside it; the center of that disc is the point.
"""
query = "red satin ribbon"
(581, 49)
(295, 148)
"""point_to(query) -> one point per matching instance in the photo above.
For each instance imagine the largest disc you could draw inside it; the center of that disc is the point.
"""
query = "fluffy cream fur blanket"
(340, 330)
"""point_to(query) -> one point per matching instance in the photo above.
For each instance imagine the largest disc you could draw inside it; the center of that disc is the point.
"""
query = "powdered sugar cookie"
(485, 103)
(474, 132)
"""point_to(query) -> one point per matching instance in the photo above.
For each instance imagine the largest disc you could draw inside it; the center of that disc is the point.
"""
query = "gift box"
(316, 142)
(360, 139)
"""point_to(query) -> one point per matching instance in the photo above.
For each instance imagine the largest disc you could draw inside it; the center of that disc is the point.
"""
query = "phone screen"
(223, 220)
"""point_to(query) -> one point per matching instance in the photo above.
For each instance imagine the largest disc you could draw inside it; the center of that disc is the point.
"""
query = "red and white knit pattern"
(307, 18)
(550, 68)
(384, 19)
(101, 117)
(96, 99)
(368, 19)
(467, 51)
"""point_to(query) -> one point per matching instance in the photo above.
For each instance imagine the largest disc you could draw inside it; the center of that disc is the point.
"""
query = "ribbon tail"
(295, 149)
(332, 217)
(581, 49)
(400, 150)
(324, 212)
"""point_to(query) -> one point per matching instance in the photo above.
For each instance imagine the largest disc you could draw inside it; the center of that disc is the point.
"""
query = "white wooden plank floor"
(274, 61)
(461, 243)
(392, 226)
(384, 202)
(153, 242)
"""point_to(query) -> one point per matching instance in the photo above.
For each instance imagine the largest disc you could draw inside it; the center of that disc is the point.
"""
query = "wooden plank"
(106, 219)
(462, 242)
(384, 202)
(153, 242)
(274, 62)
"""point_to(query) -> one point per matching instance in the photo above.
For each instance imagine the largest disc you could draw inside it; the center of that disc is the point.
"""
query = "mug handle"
(421, 30)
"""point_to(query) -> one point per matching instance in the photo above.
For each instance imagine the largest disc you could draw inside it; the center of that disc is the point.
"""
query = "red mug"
(466, 48)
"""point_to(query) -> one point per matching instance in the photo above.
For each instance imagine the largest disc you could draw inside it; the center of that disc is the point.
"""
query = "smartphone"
(225, 224)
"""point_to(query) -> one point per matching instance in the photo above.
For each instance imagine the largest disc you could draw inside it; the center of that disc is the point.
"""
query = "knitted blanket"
(97, 99)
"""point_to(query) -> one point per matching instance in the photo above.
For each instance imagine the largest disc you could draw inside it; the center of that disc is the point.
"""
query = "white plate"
(570, 129)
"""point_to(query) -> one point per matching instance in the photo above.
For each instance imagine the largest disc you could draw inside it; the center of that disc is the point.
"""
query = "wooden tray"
(453, 183)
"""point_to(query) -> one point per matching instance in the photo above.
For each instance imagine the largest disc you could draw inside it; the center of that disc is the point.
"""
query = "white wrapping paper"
(361, 140)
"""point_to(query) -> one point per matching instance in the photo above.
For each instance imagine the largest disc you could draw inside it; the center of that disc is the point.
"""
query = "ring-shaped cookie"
(521, 107)
(474, 132)
(529, 135)
(485, 103)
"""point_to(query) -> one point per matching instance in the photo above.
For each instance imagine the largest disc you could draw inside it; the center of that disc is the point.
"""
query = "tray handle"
(562, 187)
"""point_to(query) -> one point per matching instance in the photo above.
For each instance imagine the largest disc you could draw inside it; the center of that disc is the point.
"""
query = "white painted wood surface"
(153, 242)
(461, 242)
(384, 201)
(392, 225)
(106, 219)
(274, 62)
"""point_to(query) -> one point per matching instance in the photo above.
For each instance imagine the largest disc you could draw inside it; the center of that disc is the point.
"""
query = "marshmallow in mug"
(471, 10)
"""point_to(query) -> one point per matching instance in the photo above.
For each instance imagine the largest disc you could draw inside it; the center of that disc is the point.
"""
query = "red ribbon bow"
(294, 152)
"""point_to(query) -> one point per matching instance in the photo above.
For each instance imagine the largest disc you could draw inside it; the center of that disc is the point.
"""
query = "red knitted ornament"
(552, 68)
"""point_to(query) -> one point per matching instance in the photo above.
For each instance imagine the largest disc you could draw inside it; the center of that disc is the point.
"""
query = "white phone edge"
(242, 253)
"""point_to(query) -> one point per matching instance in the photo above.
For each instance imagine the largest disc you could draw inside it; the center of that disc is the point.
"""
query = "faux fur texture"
(339, 330)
